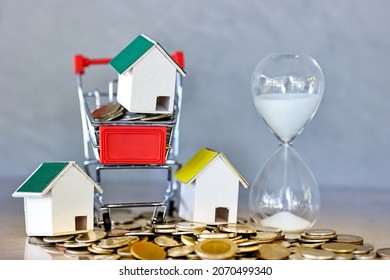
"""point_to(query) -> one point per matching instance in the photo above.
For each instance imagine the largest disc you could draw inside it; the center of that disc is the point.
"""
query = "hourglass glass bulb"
(287, 90)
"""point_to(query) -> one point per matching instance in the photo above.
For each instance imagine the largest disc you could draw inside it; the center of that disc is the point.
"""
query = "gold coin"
(191, 226)
(115, 232)
(273, 252)
(248, 249)
(213, 235)
(338, 247)
(91, 236)
(188, 239)
(237, 228)
(349, 238)
(216, 249)
(316, 254)
(249, 242)
(166, 241)
(180, 251)
(151, 117)
(146, 250)
(264, 236)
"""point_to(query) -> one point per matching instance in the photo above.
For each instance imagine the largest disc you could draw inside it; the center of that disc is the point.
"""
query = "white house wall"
(72, 196)
(125, 84)
(187, 201)
(38, 215)
(216, 186)
(153, 76)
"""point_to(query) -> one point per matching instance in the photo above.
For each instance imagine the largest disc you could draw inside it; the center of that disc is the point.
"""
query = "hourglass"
(287, 90)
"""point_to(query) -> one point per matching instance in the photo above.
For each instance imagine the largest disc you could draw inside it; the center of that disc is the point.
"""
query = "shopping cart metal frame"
(91, 143)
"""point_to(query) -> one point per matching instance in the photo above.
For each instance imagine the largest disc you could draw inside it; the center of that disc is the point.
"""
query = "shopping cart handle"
(178, 57)
(81, 62)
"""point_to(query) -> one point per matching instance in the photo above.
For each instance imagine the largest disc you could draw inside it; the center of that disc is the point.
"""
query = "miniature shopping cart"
(126, 143)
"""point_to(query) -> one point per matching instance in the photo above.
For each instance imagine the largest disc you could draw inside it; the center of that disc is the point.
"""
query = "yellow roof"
(188, 172)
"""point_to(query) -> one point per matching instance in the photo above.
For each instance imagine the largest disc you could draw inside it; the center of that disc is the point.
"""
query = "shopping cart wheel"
(160, 217)
(106, 221)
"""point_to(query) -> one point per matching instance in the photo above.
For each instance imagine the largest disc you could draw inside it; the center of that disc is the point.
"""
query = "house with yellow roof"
(210, 188)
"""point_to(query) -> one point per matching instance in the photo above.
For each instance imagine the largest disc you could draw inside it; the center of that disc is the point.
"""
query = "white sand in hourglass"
(286, 221)
(287, 113)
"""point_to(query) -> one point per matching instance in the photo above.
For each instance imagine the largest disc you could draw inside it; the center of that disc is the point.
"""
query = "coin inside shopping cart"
(129, 116)
(108, 111)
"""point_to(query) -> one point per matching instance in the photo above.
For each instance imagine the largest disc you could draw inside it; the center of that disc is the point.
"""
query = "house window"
(162, 103)
(81, 223)
(221, 214)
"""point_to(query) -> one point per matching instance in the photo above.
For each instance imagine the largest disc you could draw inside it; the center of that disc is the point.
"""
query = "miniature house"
(146, 77)
(210, 188)
(58, 200)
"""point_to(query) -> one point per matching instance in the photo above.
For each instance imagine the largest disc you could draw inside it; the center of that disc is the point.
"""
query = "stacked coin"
(178, 239)
(109, 111)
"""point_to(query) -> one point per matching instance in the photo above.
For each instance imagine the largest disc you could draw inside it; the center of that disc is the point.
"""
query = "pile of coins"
(178, 239)
(115, 111)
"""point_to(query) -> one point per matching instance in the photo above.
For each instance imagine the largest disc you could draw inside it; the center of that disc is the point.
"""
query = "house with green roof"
(209, 192)
(58, 200)
(146, 77)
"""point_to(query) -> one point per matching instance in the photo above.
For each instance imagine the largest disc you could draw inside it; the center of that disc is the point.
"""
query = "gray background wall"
(345, 145)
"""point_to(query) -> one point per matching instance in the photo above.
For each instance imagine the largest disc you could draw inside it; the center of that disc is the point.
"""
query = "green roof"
(42, 177)
(135, 50)
(129, 55)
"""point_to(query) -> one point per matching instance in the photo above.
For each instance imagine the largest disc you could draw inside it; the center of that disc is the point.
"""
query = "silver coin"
(369, 256)
(320, 232)
(190, 226)
(104, 257)
(316, 254)
(180, 251)
(75, 244)
(94, 248)
(59, 238)
(383, 253)
(36, 240)
(362, 249)
(116, 242)
(344, 256)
